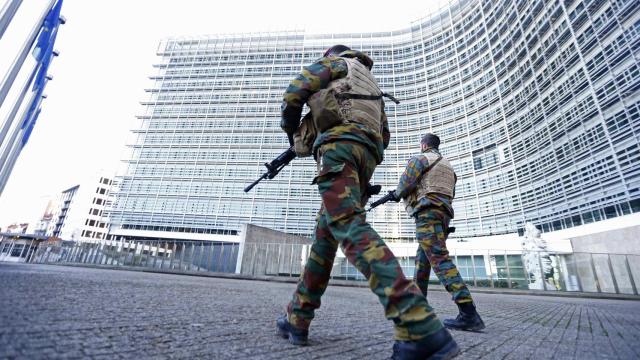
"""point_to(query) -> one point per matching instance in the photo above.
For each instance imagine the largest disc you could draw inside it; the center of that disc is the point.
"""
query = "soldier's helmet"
(430, 140)
(335, 50)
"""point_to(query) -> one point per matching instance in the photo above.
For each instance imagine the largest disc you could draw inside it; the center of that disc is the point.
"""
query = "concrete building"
(79, 212)
(47, 219)
(19, 247)
(537, 105)
(17, 228)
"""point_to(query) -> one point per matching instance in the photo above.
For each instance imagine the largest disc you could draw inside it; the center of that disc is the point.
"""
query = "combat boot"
(468, 319)
(438, 346)
(286, 330)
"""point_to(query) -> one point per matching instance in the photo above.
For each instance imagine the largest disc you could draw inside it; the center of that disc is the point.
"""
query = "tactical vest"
(305, 136)
(355, 98)
(440, 178)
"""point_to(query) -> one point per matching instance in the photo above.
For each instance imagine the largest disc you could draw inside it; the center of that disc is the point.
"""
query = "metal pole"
(181, 258)
(72, 254)
(94, 253)
(10, 77)
(164, 254)
(141, 254)
(77, 247)
(155, 258)
(525, 271)
(490, 274)
(85, 253)
(149, 254)
(124, 253)
(291, 261)
(32, 254)
(210, 257)
(544, 282)
(631, 280)
(193, 255)
(48, 253)
(613, 275)
(173, 253)
(24, 247)
(11, 247)
(223, 261)
(6, 14)
(595, 275)
(36, 257)
(201, 255)
(279, 256)
(67, 255)
(91, 254)
(103, 254)
(506, 262)
(219, 264)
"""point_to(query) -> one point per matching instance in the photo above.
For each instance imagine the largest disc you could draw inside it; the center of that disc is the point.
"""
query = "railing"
(170, 255)
(540, 270)
(528, 270)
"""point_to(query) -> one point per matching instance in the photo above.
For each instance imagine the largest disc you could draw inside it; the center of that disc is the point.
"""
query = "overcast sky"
(107, 49)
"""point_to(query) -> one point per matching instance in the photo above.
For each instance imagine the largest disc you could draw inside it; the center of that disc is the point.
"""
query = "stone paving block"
(59, 312)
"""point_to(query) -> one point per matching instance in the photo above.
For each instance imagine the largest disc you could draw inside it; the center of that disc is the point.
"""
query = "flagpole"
(6, 125)
(10, 77)
(7, 13)
(6, 148)
(11, 162)
(16, 148)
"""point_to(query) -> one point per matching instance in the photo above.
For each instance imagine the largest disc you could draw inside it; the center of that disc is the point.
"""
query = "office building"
(537, 104)
(79, 213)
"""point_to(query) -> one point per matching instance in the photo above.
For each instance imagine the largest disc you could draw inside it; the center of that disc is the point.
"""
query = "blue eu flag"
(43, 51)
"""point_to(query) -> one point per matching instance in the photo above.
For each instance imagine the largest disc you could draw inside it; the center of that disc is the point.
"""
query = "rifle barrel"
(248, 188)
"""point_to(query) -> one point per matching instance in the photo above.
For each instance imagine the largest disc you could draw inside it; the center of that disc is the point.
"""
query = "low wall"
(619, 241)
(264, 251)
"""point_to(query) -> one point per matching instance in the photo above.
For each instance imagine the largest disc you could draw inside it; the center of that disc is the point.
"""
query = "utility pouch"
(325, 109)
(328, 172)
(305, 136)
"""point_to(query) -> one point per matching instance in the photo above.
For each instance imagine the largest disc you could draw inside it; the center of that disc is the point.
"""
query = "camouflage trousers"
(344, 172)
(432, 228)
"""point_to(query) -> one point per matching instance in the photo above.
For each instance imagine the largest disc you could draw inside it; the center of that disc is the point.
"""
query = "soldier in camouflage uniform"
(428, 188)
(352, 133)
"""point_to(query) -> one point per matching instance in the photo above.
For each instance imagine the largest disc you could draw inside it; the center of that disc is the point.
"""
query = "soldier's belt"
(367, 97)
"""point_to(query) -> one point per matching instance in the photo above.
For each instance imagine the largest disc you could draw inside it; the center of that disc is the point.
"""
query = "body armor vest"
(440, 178)
(355, 98)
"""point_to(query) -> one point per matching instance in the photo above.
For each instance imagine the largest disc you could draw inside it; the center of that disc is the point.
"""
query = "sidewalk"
(76, 312)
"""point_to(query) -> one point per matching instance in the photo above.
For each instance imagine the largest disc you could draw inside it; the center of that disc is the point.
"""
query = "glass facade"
(537, 104)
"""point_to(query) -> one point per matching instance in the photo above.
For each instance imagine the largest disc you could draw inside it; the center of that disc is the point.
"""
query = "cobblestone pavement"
(69, 312)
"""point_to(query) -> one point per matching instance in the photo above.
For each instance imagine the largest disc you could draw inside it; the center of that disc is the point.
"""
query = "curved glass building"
(537, 104)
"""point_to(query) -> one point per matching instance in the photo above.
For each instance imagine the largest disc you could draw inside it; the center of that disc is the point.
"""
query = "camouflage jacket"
(411, 178)
(317, 76)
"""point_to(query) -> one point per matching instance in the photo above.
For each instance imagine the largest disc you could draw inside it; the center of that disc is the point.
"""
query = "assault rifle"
(274, 167)
(391, 196)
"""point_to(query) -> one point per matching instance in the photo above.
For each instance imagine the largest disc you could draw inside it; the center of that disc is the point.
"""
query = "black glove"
(373, 189)
(290, 119)
(394, 196)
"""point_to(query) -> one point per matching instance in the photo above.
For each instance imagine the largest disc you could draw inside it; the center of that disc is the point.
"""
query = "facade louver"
(537, 104)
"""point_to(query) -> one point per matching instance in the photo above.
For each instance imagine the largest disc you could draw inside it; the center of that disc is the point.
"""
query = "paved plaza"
(72, 312)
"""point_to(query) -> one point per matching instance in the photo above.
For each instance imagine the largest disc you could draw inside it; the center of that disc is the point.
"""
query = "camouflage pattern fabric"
(431, 231)
(316, 77)
(345, 170)
(411, 178)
